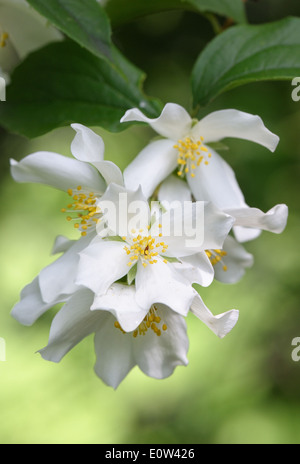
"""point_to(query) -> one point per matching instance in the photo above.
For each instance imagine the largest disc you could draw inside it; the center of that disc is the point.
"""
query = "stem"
(217, 28)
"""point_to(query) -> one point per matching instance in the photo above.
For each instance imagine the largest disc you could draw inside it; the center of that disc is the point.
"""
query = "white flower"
(147, 250)
(126, 335)
(22, 31)
(231, 261)
(85, 179)
(185, 147)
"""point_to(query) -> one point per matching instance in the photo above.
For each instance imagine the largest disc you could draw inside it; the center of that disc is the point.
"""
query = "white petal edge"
(245, 234)
(235, 124)
(151, 166)
(174, 189)
(31, 305)
(236, 261)
(114, 353)
(62, 244)
(221, 324)
(197, 269)
(120, 301)
(89, 147)
(162, 283)
(72, 324)
(101, 264)
(57, 280)
(157, 356)
(275, 220)
(173, 123)
(216, 182)
(192, 228)
(56, 171)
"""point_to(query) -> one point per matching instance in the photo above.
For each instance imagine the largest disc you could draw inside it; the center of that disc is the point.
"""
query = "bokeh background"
(242, 389)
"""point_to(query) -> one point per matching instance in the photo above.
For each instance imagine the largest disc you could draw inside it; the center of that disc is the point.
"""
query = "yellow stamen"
(189, 151)
(146, 249)
(3, 39)
(216, 256)
(150, 321)
(85, 203)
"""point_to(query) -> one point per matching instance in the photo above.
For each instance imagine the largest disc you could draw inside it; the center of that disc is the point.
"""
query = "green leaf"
(114, 238)
(93, 84)
(234, 9)
(245, 54)
(131, 274)
(171, 260)
(63, 83)
(84, 21)
(122, 11)
(87, 23)
(218, 146)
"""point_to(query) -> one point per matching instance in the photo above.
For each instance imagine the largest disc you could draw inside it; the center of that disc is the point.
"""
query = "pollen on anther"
(84, 205)
(3, 39)
(190, 156)
(150, 322)
(216, 257)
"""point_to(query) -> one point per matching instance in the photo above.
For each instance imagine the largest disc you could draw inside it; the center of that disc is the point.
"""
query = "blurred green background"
(242, 389)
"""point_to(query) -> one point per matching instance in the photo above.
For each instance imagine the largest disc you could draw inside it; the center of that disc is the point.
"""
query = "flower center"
(151, 321)
(216, 256)
(145, 248)
(3, 39)
(190, 155)
(84, 205)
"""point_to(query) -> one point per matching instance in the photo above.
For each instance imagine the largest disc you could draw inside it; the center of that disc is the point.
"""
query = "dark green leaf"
(63, 83)
(245, 54)
(233, 9)
(122, 11)
(84, 21)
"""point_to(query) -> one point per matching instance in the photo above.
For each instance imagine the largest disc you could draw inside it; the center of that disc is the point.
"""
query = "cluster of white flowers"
(129, 277)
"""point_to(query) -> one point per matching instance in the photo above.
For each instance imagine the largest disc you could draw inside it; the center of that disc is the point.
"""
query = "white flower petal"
(57, 171)
(27, 29)
(196, 269)
(58, 279)
(89, 147)
(31, 305)
(110, 172)
(114, 353)
(72, 324)
(101, 264)
(216, 182)
(245, 234)
(173, 123)
(193, 228)
(237, 260)
(61, 245)
(120, 301)
(274, 220)
(151, 166)
(161, 283)
(237, 124)
(9, 59)
(221, 324)
(157, 356)
(174, 189)
(124, 210)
